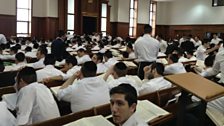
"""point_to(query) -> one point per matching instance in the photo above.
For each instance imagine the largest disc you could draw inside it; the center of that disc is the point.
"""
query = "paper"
(148, 111)
(216, 116)
(91, 121)
(129, 64)
(10, 100)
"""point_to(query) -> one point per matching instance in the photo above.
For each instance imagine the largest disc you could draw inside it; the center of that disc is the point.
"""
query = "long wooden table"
(201, 87)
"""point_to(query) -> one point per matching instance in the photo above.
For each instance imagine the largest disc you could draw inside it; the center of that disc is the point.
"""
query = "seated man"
(12, 53)
(87, 92)
(6, 118)
(49, 70)
(119, 72)
(20, 61)
(82, 56)
(35, 101)
(109, 59)
(130, 50)
(123, 100)
(157, 82)
(173, 66)
(41, 53)
(98, 59)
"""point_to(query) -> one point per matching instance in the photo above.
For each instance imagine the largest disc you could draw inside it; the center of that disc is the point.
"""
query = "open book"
(148, 111)
(10, 100)
(91, 121)
(129, 64)
(216, 116)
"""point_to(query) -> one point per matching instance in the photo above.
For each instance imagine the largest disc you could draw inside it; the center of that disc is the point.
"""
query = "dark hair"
(61, 33)
(159, 67)
(125, 54)
(35, 45)
(72, 60)
(126, 89)
(18, 46)
(174, 58)
(27, 74)
(120, 69)
(49, 59)
(147, 29)
(209, 60)
(20, 57)
(89, 69)
(43, 50)
(108, 54)
(129, 45)
(28, 49)
(99, 57)
(205, 41)
(14, 49)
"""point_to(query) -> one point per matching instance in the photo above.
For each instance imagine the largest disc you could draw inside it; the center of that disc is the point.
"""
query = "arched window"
(104, 18)
(71, 16)
(152, 16)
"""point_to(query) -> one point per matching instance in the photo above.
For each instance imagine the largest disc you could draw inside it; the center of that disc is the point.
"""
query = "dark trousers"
(141, 67)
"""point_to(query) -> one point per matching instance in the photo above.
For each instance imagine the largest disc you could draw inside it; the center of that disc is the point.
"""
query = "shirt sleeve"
(66, 93)
(25, 105)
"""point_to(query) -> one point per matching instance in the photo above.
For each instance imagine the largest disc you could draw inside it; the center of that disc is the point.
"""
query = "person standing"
(146, 50)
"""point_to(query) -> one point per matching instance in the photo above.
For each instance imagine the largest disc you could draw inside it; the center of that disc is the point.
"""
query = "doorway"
(89, 25)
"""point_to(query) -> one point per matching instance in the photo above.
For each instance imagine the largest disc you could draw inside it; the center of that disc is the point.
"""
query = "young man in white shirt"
(35, 101)
(82, 56)
(6, 117)
(119, 72)
(146, 50)
(174, 67)
(109, 59)
(215, 39)
(98, 59)
(41, 53)
(123, 100)
(130, 50)
(88, 91)
(49, 70)
(157, 82)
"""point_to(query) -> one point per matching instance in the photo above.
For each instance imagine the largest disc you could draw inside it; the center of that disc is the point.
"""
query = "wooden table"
(201, 87)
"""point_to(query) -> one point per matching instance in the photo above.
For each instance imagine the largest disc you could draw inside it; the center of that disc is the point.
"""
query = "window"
(104, 19)
(23, 21)
(152, 16)
(71, 16)
(133, 18)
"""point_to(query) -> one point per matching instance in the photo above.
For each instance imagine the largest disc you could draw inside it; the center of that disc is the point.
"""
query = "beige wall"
(143, 11)
(188, 12)
(8, 7)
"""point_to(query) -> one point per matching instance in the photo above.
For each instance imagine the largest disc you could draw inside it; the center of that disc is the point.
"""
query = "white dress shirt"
(7, 57)
(15, 67)
(83, 59)
(35, 103)
(101, 68)
(218, 66)
(2, 39)
(200, 53)
(163, 46)
(133, 120)
(153, 85)
(215, 41)
(146, 48)
(85, 93)
(174, 68)
(182, 59)
(110, 62)
(131, 55)
(6, 117)
(70, 72)
(48, 71)
(38, 64)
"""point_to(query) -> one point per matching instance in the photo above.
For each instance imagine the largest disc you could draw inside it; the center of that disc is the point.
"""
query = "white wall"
(52, 8)
(120, 11)
(188, 12)
(143, 11)
(8, 7)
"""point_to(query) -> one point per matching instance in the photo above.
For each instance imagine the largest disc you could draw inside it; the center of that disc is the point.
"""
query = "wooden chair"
(66, 119)
(6, 90)
(7, 78)
(153, 97)
(103, 110)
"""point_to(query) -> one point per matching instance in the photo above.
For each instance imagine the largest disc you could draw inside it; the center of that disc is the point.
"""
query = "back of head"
(209, 60)
(28, 49)
(61, 33)
(120, 69)
(99, 57)
(89, 69)
(20, 57)
(147, 29)
(205, 41)
(43, 50)
(49, 59)
(129, 92)
(159, 68)
(108, 54)
(174, 58)
(27, 74)
(14, 49)
(72, 60)
(129, 45)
